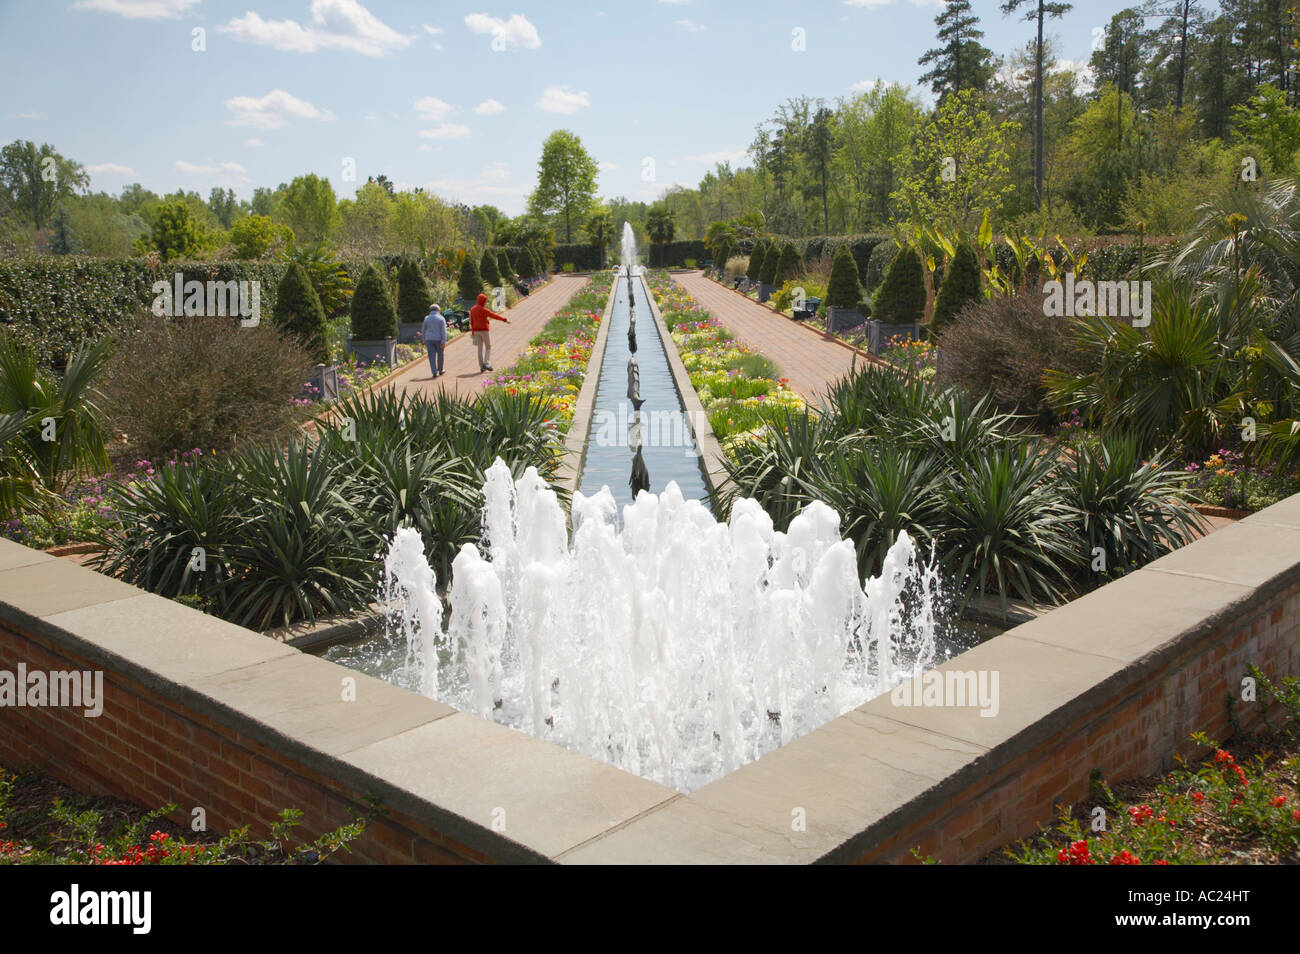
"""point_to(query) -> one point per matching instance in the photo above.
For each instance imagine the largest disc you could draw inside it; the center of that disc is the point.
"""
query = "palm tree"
(600, 232)
(660, 227)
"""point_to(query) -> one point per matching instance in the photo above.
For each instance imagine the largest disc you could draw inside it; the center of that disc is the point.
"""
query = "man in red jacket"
(478, 326)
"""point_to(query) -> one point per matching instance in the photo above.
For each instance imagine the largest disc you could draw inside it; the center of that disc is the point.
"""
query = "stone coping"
(860, 779)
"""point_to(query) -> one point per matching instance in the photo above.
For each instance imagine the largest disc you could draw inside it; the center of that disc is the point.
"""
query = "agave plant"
(778, 469)
(1129, 510)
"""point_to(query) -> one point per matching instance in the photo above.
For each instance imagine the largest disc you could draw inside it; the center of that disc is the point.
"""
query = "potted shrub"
(374, 320)
(413, 301)
(843, 293)
(767, 277)
(961, 285)
(787, 266)
(755, 264)
(488, 270)
(299, 313)
(470, 284)
(899, 304)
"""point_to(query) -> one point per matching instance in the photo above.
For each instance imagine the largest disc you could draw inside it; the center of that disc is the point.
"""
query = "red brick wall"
(153, 751)
(1135, 735)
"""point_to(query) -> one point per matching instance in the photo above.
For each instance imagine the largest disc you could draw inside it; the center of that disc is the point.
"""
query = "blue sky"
(456, 98)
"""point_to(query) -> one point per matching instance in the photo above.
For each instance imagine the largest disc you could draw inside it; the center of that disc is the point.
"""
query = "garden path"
(808, 358)
(461, 374)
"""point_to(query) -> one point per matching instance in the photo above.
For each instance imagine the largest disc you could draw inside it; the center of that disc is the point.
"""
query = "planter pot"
(764, 291)
(408, 331)
(842, 319)
(325, 382)
(879, 334)
(368, 352)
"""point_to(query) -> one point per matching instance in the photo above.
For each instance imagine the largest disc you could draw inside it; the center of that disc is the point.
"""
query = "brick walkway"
(460, 365)
(807, 358)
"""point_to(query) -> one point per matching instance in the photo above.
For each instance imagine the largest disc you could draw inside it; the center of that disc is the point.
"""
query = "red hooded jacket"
(479, 315)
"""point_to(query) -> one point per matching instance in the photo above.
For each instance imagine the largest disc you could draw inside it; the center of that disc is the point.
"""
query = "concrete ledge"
(201, 712)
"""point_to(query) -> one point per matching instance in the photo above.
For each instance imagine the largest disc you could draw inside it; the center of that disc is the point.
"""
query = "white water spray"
(629, 249)
(675, 647)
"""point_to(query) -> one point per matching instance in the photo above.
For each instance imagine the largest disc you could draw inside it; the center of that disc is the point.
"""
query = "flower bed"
(1226, 480)
(555, 362)
(741, 390)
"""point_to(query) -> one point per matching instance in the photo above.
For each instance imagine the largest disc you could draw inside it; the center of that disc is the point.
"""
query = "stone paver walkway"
(807, 358)
(460, 365)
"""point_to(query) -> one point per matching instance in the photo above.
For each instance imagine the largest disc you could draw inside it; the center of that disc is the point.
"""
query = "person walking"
(479, 326)
(434, 333)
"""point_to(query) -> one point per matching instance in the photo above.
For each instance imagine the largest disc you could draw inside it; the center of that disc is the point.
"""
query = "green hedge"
(583, 257)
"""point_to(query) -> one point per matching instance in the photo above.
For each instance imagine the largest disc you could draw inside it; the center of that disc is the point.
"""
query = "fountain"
(670, 645)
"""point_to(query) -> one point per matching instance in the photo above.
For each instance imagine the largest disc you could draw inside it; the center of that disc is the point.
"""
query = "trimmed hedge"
(374, 317)
(675, 254)
(961, 284)
(413, 296)
(901, 299)
(844, 290)
(298, 312)
(583, 257)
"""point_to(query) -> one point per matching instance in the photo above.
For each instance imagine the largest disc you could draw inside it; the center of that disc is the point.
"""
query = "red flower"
(1077, 854)
(1141, 813)
(1279, 801)
(1125, 857)
(1198, 797)
(1160, 861)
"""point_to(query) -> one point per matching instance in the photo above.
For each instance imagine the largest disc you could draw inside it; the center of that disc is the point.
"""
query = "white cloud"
(722, 155)
(489, 107)
(255, 143)
(272, 111)
(32, 115)
(335, 25)
(495, 172)
(515, 32)
(431, 30)
(138, 9)
(869, 4)
(608, 166)
(432, 109)
(110, 169)
(220, 173)
(445, 131)
(561, 99)
(691, 25)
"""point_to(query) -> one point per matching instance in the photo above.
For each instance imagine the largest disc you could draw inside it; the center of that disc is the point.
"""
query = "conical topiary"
(901, 298)
(961, 284)
(503, 266)
(413, 297)
(373, 315)
(787, 265)
(843, 290)
(487, 269)
(298, 311)
(882, 256)
(756, 261)
(771, 259)
(470, 285)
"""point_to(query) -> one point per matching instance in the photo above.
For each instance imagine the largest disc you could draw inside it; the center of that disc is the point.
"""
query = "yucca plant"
(1131, 510)
(1005, 529)
(777, 468)
(20, 482)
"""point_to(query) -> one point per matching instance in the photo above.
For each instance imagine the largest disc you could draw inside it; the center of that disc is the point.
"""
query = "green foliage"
(961, 285)
(308, 206)
(487, 269)
(901, 297)
(175, 233)
(756, 258)
(373, 315)
(413, 297)
(771, 262)
(298, 312)
(882, 256)
(788, 265)
(27, 185)
(844, 290)
(566, 181)
(470, 284)
(253, 236)
(1269, 120)
(503, 266)
(331, 278)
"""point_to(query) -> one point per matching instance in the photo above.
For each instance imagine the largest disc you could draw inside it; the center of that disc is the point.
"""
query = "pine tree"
(503, 266)
(756, 261)
(373, 315)
(787, 265)
(298, 311)
(413, 297)
(770, 262)
(901, 298)
(843, 290)
(470, 285)
(487, 269)
(961, 61)
(961, 284)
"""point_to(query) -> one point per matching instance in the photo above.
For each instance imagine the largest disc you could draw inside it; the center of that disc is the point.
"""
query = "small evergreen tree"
(722, 253)
(503, 266)
(470, 285)
(756, 261)
(373, 315)
(413, 297)
(882, 256)
(961, 284)
(843, 290)
(299, 313)
(487, 269)
(787, 265)
(771, 259)
(901, 298)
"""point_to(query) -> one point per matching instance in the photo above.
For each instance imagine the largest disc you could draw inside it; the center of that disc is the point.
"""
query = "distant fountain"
(628, 250)
(670, 645)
